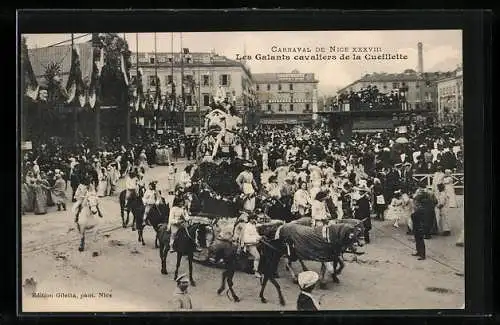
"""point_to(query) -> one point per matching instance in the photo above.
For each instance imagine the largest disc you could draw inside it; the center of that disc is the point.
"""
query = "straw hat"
(307, 279)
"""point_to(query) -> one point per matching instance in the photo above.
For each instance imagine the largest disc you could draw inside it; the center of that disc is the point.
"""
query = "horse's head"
(92, 203)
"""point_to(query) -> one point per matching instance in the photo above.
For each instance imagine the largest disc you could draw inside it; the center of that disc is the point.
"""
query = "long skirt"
(50, 201)
(40, 201)
(27, 198)
(442, 219)
(59, 196)
(102, 188)
(450, 193)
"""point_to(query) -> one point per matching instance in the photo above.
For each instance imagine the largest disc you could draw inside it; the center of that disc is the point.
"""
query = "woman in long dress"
(103, 182)
(40, 188)
(395, 211)
(246, 182)
(28, 200)
(443, 226)
(449, 189)
(437, 178)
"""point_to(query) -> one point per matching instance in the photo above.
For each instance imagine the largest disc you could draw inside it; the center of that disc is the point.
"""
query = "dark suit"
(305, 303)
(362, 212)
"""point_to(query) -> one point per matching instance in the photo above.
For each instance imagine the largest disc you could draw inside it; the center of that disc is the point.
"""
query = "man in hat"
(424, 210)
(150, 199)
(307, 282)
(362, 209)
(181, 299)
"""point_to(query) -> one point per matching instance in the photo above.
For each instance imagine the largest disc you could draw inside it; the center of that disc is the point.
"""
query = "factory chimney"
(420, 68)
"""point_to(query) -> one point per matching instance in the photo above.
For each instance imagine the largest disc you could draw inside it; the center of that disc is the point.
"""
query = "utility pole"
(75, 108)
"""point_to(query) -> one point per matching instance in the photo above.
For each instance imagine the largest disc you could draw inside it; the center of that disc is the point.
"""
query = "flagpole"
(75, 111)
(156, 90)
(95, 36)
(182, 89)
(127, 124)
(137, 78)
(172, 97)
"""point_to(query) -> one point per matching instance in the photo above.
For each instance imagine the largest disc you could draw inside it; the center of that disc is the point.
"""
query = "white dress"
(450, 191)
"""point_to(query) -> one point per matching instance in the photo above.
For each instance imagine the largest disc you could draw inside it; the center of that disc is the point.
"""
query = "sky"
(442, 50)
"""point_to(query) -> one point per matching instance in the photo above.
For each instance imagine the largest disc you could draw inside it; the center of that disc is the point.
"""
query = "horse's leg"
(322, 284)
(133, 219)
(230, 284)
(290, 269)
(163, 257)
(124, 224)
(278, 288)
(178, 263)
(82, 243)
(223, 284)
(190, 263)
(304, 267)
(262, 288)
(337, 262)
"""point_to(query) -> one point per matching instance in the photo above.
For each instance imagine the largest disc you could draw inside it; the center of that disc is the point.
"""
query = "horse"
(184, 245)
(88, 219)
(157, 215)
(270, 251)
(322, 244)
(121, 199)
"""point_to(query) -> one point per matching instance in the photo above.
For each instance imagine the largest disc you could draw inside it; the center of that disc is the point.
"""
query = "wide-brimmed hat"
(182, 278)
(248, 164)
(321, 195)
(407, 164)
(307, 279)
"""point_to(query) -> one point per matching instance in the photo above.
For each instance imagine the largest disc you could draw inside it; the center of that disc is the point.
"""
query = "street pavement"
(125, 276)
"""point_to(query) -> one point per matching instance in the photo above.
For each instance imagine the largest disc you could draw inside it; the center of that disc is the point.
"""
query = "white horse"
(88, 220)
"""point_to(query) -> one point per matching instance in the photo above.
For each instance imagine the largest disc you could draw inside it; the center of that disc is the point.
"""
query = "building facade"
(206, 75)
(286, 98)
(419, 90)
(450, 97)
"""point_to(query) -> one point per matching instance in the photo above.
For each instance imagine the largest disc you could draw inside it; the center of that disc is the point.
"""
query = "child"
(395, 211)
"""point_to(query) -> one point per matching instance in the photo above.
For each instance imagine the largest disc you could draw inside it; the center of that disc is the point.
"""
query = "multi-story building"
(419, 89)
(450, 96)
(286, 98)
(205, 75)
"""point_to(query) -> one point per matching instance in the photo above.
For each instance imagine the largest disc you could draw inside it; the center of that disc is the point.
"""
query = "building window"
(279, 86)
(269, 107)
(280, 108)
(417, 85)
(206, 100)
(307, 107)
(257, 87)
(404, 84)
(385, 86)
(291, 107)
(152, 60)
(224, 80)
(206, 80)
(268, 87)
(152, 81)
(291, 86)
(395, 85)
(188, 100)
(170, 79)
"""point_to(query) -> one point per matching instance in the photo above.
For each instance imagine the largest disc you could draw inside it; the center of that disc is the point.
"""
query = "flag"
(75, 83)
(30, 83)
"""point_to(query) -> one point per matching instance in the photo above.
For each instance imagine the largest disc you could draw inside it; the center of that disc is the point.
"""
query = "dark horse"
(123, 208)
(157, 215)
(184, 245)
(270, 254)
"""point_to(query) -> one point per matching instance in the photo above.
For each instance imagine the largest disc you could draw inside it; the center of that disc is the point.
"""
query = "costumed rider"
(319, 211)
(82, 192)
(247, 185)
(307, 281)
(151, 198)
(249, 240)
(178, 220)
(132, 186)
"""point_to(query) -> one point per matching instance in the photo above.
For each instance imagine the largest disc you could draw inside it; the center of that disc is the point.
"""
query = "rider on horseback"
(132, 185)
(84, 189)
(249, 240)
(177, 219)
(150, 199)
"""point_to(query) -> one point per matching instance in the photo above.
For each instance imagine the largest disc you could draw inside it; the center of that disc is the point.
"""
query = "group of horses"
(272, 246)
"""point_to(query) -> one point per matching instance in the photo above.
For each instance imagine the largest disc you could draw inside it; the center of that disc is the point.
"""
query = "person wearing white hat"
(307, 281)
(181, 299)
